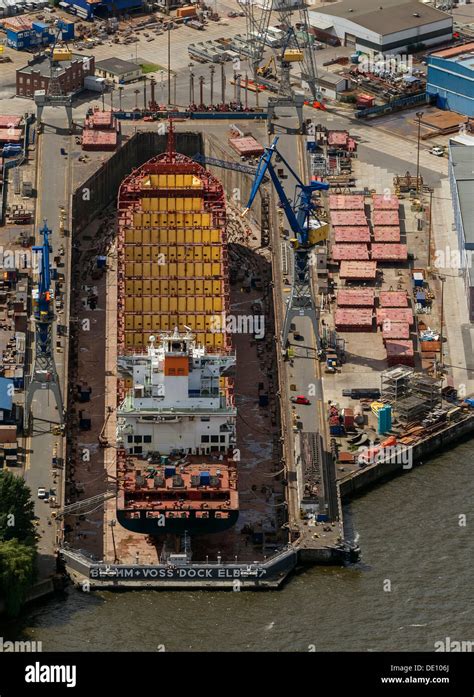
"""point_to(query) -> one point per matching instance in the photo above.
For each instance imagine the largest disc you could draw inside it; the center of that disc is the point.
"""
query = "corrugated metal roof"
(454, 51)
(394, 17)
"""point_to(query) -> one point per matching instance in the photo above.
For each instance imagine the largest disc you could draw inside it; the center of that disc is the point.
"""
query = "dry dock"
(98, 555)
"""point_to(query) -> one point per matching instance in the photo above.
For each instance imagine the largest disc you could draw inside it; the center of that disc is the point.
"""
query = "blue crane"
(43, 297)
(44, 374)
(214, 161)
(308, 231)
(301, 215)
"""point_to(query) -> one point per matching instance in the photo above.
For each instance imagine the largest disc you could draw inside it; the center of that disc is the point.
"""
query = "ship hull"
(194, 526)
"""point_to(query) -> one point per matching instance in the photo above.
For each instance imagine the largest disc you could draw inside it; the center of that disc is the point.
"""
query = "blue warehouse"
(451, 78)
(88, 9)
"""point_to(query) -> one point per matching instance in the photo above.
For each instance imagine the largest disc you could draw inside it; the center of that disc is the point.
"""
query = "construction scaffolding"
(413, 395)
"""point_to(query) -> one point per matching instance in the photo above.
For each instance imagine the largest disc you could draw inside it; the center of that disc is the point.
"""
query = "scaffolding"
(395, 383)
(413, 395)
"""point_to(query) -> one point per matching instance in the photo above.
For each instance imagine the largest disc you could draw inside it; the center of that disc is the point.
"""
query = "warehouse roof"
(393, 16)
(116, 66)
(462, 158)
(454, 51)
(329, 78)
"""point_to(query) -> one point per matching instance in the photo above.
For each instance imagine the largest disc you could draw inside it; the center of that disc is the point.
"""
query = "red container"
(383, 217)
(341, 252)
(341, 218)
(348, 414)
(354, 319)
(350, 234)
(389, 252)
(357, 297)
(394, 314)
(346, 202)
(395, 330)
(358, 270)
(400, 352)
(381, 202)
(386, 233)
(393, 298)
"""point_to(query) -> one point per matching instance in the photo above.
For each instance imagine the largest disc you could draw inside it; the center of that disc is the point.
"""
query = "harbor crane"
(295, 45)
(54, 95)
(308, 231)
(44, 374)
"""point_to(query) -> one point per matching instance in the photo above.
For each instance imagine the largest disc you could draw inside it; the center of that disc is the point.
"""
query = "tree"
(17, 573)
(17, 541)
(17, 510)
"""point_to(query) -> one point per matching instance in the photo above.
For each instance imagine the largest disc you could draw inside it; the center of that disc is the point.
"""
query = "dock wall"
(357, 482)
(100, 189)
(90, 575)
(237, 185)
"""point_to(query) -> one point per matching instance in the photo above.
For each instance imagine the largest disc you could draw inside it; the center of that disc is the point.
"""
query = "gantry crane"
(44, 374)
(308, 231)
(54, 95)
(293, 49)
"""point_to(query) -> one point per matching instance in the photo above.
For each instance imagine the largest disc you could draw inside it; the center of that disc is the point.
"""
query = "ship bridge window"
(147, 439)
(129, 439)
(222, 439)
(137, 450)
(137, 439)
(205, 418)
(204, 439)
(214, 439)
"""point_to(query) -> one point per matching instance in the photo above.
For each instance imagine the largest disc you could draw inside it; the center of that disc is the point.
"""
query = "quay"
(273, 572)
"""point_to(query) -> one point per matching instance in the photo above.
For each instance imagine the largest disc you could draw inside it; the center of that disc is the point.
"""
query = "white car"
(437, 150)
(41, 492)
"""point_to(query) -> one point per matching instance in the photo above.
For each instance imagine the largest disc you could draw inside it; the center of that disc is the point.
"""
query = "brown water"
(409, 534)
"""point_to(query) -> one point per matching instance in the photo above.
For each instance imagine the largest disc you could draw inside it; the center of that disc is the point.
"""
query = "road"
(303, 376)
(53, 185)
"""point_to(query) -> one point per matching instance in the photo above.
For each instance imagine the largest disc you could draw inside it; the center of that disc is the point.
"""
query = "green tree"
(16, 510)
(17, 573)
(17, 541)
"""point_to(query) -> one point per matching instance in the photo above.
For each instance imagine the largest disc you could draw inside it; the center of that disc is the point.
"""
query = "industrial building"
(451, 78)
(118, 70)
(70, 73)
(331, 84)
(461, 177)
(24, 33)
(87, 9)
(396, 27)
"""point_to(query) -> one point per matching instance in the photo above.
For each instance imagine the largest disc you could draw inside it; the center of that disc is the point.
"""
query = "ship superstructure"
(180, 401)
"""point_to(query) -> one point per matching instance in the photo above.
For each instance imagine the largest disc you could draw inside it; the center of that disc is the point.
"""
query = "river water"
(411, 542)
